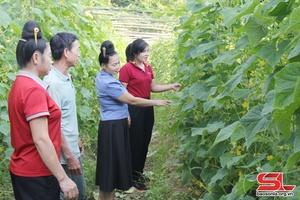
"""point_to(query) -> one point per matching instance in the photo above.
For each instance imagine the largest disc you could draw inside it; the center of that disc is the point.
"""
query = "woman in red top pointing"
(137, 76)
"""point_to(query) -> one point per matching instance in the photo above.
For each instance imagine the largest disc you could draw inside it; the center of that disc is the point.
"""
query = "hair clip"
(23, 40)
(104, 51)
(36, 30)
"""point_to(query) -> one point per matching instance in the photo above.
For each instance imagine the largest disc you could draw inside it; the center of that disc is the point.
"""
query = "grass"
(6, 191)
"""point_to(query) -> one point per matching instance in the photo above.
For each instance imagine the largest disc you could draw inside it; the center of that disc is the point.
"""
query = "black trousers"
(35, 188)
(140, 131)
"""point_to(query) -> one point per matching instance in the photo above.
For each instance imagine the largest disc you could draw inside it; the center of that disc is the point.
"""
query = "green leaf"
(239, 133)
(39, 13)
(4, 127)
(228, 57)
(86, 93)
(201, 91)
(11, 76)
(241, 93)
(189, 105)
(186, 174)
(230, 15)
(16, 27)
(85, 112)
(51, 15)
(207, 174)
(243, 185)
(5, 20)
(247, 64)
(274, 161)
(255, 161)
(297, 135)
(256, 30)
(233, 82)
(282, 119)
(220, 149)
(214, 126)
(294, 17)
(202, 152)
(279, 8)
(272, 52)
(203, 49)
(254, 122)
(295, 52)
(287, 97)
(225, 133)
(229, 159)
(221, 173)
(287, 86)
(270, 83)
(8, 152)
(198, 131)
(291, 161)
(197, 7)
(270, 99)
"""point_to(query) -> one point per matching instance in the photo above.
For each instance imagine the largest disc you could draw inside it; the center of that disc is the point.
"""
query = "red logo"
(272, 181)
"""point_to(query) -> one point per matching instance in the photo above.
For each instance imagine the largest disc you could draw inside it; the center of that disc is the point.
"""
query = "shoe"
(130, 191)
(140, 186)
(145, 178)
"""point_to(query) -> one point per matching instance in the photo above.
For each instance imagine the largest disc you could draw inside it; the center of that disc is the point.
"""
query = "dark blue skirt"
(113, 169)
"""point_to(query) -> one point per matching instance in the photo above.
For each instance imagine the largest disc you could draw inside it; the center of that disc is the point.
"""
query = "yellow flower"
(220, 17)
(243, 112)
(198, 193)
(251, 82)
(280, 147)
(239, 147)
(238, 152)
(201, 185)
(211, 97)
(240, 173)
(245, 104)
(261, 62)
(1, 149)
(231, 151)
(270, 157)
(231, 47)
(252, 73)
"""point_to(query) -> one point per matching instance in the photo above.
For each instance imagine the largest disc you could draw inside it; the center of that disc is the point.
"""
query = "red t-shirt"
(29, 100)
(139, 81)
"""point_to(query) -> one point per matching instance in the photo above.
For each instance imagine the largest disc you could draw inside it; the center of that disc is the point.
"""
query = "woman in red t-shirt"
(137, 76)
(35, 125)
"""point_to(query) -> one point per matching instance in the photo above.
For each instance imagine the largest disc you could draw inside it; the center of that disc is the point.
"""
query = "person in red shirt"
(137, 76)
(34, 117)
